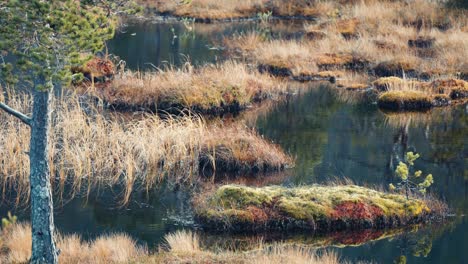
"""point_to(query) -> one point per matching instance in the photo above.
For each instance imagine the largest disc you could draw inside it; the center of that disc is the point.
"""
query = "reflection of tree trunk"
(400, 146)
(42, 218)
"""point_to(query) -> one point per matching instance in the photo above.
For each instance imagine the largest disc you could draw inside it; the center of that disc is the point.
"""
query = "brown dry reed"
(90, 150)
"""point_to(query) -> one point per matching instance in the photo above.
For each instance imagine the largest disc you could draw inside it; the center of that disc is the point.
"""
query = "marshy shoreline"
(131, 131)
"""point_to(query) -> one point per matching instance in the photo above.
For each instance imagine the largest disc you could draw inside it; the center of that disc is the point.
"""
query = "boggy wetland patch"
(157, 136)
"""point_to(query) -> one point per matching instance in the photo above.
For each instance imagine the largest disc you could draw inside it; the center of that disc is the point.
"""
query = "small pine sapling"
(409, 180)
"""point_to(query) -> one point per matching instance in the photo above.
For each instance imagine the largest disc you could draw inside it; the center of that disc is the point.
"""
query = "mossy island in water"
(318, 208)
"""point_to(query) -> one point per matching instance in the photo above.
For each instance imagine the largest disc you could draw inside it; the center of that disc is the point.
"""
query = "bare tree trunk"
(42, 217)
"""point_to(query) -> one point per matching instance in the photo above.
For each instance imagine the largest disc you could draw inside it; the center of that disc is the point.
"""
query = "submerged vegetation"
(321, 208)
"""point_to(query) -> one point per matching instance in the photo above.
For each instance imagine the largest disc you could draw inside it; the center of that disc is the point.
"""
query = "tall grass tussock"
(16, 242)
(90, 149)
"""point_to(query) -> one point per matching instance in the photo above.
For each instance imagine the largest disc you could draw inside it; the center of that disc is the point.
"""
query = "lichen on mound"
(321, 208)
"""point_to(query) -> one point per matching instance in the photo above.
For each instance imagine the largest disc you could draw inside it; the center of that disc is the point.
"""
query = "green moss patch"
(321, 208)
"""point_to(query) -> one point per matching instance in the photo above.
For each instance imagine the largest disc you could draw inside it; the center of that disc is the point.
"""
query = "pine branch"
(24, 118)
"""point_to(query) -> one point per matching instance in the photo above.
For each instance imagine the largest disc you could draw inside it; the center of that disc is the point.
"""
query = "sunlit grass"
(208, 89)
(228, 9)
(181, 247)
(358, 41)
(16, 242)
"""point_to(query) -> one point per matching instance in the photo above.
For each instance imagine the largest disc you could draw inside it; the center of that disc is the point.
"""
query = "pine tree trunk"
(42, 217)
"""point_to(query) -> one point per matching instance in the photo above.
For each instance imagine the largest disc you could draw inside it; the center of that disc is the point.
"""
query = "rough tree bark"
(42, 217)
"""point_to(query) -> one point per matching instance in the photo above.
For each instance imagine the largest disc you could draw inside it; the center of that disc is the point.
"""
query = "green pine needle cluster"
(41, 41)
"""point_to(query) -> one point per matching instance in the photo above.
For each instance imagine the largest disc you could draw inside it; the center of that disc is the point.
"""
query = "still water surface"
(330, 140)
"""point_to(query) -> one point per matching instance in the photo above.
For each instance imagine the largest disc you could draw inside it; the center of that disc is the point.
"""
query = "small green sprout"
(8, 221)
(265, 17)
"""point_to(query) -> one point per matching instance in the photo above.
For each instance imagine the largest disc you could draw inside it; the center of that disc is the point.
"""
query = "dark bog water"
(331, 140)
(147, 45)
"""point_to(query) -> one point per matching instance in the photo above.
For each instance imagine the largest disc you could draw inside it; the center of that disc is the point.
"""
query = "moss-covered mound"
(321, 208)
(405, 100)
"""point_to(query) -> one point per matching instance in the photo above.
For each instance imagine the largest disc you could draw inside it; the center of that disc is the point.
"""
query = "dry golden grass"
(405, 96)
(208, 89)
(353, 81)
(183, 241)
(18, 241)
(182, 247)
(421, 40)
(278, 253)
(89, 150)
(209, 10)
(377, 32)
(116, 248)
(238, 150)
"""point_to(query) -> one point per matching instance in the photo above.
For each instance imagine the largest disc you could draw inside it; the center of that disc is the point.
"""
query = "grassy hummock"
(212, 89)
(320, 208)
(405, 100)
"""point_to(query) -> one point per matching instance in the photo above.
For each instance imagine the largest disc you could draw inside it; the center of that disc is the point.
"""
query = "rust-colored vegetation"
(96, 70)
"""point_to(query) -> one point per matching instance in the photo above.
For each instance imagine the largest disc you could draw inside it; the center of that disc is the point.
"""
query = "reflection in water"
(359, 142)
(147, 45)
(330, 139)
